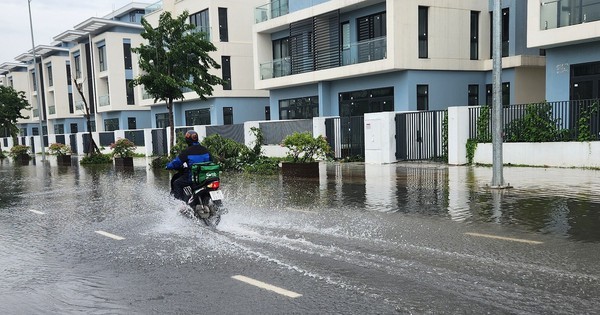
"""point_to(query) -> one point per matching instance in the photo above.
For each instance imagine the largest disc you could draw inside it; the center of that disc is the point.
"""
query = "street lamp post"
(37, 84)
(497, 177)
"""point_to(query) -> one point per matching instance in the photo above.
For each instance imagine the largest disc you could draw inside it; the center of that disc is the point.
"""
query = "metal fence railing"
(540, 122)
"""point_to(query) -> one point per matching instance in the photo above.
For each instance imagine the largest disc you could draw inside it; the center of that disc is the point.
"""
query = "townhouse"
(350, 57)
(569, 32)
(228, 25)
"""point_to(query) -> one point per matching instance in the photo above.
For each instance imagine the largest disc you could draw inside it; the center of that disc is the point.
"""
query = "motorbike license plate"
(216, 195)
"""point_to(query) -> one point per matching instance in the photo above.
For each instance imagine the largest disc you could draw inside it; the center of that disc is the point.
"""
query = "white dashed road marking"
(267, 286)
(505, 238)
(116, 237)
(37, 212)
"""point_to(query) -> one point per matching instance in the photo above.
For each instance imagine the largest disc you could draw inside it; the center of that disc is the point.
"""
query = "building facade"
(569, 32)
(348, 58)
(228, 25)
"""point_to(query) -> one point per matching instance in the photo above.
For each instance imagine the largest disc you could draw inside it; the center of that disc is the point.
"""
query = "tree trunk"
(171, 124)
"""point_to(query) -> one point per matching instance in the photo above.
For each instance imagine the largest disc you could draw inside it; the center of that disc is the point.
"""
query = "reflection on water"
(563, 202)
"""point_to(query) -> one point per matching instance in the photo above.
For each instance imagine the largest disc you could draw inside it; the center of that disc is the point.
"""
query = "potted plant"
(303, 152)
(20, 153)
(123, 150)
(62, 152)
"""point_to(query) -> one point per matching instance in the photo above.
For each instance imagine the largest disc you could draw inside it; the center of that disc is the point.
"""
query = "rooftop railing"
(51, 110)
(560, 13)
(153, 7)
(271, 10)
(104, 100)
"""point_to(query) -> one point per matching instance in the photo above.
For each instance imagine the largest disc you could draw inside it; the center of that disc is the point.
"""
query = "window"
(505, 94)
(474, 35)
(299, 108)
(223, 32)
(35, 131)
(127, 55)
(370, 30)
(111, 124)
(69, 79)
(585, 81)
(505, 19)
(226, 71)
(267, 112)
(473, 94)
(131, 123)
(162, 120)
(422, 97)
(59, 129)
(74, 128)
(345, 38)
(77, 60)
(129, 91)
(50, 77)
(281, 55)
(228, 115)
(358, 103)
(200, 20)
(102, 57)
(197, 117)
(423, 29)
(34, 80)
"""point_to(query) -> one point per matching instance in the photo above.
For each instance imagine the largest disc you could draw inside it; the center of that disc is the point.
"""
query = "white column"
(458, 134)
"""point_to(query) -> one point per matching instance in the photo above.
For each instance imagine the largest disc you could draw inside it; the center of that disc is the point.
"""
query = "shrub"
(18, 151)
(2, 155)
(123, 147)
(59, 149)
(262, 165)
(159, 162)
(304, 148)
(227, 152)
(96, 159)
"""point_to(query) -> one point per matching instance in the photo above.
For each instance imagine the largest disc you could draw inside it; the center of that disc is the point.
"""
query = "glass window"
(102, 57)
(77, 60)
(162, 120)
(74, 128)
(299, 108)
(267, 112)
(129, 91)
(127, 56)
(131, 123)
(197, 117)
(358, 103)
(423, 29)
(505, 94)
(345, 29)
(226, 70)
(200, 20)
(473, 94)
(422, 97)
(50, 77)
(59, 129)
(474, 35)
(111, 124)
(228, 115)
(223, 31)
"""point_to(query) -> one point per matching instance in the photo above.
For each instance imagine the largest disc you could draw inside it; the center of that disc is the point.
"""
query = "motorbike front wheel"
(215, 213)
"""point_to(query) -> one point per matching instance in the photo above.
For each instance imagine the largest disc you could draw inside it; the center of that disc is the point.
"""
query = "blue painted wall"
(143, 118)
(558, 64)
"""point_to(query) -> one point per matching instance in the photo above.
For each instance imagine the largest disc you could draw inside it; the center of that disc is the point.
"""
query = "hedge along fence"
(540, 122)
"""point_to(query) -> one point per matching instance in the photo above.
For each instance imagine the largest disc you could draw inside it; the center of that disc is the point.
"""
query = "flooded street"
(402, 238)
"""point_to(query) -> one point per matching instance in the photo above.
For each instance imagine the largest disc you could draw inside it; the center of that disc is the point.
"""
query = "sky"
(50, 18)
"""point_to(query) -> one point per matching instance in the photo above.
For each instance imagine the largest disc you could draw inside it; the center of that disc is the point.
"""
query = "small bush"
(59, 149)
(159, 162)
(2, 155)
(263, 166)
(123, 147)
(18, 151)
(96, 159)
(228, 153)
(304, 148)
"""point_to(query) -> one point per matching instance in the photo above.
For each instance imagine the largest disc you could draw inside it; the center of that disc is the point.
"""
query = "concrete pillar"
(148, 142)
(380, 138)
(458, 134)
(319, 127)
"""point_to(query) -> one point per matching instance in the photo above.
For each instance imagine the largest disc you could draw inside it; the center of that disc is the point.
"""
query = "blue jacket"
(195, 153)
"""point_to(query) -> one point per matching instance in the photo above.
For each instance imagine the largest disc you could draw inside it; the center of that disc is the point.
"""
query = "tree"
(11, 105)
(92, 146)
(175, 58)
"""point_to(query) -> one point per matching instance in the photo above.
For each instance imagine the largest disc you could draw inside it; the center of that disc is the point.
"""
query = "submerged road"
(82, 241)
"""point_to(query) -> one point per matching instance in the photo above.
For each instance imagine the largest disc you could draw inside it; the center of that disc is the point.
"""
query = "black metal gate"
(159, 142)
(420, 135)
(346, 136)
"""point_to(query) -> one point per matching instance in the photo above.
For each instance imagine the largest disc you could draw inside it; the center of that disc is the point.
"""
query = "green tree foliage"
(175, 58)
(12, 103)
(303, 147)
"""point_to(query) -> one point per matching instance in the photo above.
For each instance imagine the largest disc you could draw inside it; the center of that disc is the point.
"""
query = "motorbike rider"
(194, 153)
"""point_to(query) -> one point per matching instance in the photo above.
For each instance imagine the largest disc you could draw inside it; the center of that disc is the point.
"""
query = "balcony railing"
(271, 10)
(104, 100)
(204, 29)
(354, 53)
(36, 112)
(145, 95)
(560, 13)
(51, 110)
(153, 7)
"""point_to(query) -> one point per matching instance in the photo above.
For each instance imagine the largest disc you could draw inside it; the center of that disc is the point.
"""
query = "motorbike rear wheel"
(215, 213)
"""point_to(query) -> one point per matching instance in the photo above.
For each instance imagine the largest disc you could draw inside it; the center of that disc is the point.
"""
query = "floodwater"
(350, 200)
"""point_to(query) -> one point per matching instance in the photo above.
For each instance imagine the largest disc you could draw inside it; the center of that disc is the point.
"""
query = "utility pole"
(497, 121)
(38, 85)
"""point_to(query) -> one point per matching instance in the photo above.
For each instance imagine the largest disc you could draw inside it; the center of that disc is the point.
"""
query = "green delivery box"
(204, 171)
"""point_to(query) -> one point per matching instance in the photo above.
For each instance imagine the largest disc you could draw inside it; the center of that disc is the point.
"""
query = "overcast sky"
(50, 18)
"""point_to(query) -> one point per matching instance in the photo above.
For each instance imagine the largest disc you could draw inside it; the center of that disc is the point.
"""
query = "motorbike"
(204, 198)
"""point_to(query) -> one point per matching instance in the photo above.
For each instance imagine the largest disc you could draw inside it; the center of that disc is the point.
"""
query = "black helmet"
(190, 137)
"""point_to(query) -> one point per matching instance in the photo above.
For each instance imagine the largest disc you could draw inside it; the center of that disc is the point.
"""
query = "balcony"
(36, 112)
(271, 10)
(354, 53)
(104, 100)
(153, 7)
(51, 110)
(203, 29)
(560, 13)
